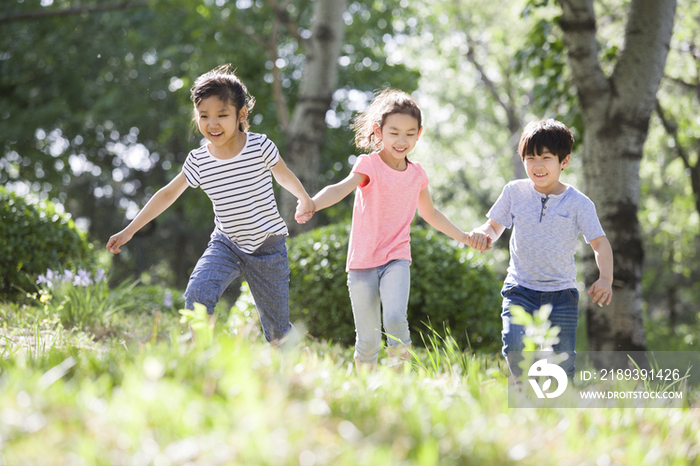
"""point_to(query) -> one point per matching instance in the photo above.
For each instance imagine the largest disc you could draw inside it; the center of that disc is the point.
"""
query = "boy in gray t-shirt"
(546, 216)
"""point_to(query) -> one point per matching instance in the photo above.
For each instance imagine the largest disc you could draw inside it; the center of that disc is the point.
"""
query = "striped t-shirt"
(240, 190)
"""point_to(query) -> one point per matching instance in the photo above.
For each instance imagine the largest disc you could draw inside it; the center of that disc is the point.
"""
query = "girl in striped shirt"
(235, 169)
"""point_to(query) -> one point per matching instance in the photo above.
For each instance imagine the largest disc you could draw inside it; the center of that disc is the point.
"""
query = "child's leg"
(565, 316)
(214, 272)
(267, 273)
(363, 285)
(512, 334)
(394, 289)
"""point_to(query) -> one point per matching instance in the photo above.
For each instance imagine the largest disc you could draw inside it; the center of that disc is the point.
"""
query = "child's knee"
(203, 293)
(367, 347)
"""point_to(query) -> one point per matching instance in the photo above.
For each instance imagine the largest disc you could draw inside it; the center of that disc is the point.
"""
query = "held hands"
(305, 210)
(601, 292)
(479, 241)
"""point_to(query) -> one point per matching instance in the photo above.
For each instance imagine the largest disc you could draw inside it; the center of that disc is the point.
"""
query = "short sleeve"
(364, 166)
(422, 176)
(270, 153)
(501, 210)
(191, 171)
(588, 222)
(425, 181)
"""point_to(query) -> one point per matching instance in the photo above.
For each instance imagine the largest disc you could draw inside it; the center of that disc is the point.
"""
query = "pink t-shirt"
(383, 211)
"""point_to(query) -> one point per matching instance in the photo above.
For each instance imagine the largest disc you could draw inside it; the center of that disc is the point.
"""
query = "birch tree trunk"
(616, 112)
(307, 127)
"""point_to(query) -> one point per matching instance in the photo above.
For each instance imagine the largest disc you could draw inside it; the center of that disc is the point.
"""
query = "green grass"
(149, 395)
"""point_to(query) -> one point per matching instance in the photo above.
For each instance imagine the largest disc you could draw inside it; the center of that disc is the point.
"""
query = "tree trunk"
(307, 128)
(616, 112)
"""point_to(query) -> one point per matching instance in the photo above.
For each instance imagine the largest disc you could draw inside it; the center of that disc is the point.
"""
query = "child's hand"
(479, 241)
(305, 210)
(303, 218)
(117, 241)
(601, 292)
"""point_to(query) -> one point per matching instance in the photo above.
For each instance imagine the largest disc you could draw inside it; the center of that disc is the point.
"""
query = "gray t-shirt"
(545, 229)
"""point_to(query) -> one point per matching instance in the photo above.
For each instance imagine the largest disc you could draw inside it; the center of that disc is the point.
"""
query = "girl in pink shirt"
(390, 188)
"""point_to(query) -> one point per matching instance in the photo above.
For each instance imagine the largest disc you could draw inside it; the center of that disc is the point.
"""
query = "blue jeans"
(564, 315)
(266, 270)
(384, 288)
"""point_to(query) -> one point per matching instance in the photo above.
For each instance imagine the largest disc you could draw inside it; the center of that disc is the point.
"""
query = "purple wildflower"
(82, 278)
(46, 279)
(168, 299)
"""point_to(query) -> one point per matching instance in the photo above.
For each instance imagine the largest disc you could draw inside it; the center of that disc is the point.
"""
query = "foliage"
(95, 110)
(670, 189)
(443, 355)
(450, 287)
(200, 323)
(79, 299)
(544, 59)
(84, 301)
(150, 298)
(32, 239)
(174, 402)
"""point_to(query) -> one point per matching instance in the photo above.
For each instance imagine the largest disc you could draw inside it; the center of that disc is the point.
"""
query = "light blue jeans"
(564, 315)
(266, 270)
(373, 291)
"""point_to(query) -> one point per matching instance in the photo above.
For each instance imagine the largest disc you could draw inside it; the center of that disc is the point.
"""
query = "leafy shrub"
(34, 238)
(150, 298)
(79, 300)
(451, 288)
(82, 300)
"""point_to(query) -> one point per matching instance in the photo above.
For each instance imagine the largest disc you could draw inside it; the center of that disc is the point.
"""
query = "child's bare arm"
(160, 201)
(438, 220)
(336, 192)
(601, 290)
(288, 180)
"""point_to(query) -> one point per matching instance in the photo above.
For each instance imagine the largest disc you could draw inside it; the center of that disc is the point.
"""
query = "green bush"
(451, 287)
(34, 238)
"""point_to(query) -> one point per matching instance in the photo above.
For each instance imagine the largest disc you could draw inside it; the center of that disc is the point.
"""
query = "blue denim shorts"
(266, 270)
(564, 315)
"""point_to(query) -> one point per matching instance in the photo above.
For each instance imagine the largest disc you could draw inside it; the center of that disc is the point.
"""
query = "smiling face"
(218, 121)
(399, 136)
(544, 170)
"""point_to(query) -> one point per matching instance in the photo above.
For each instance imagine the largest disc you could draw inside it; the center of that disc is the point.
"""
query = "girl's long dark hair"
(223, 83)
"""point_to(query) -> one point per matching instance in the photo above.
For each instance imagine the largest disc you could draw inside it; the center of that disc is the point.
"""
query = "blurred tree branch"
(70, 11)
(671, 128)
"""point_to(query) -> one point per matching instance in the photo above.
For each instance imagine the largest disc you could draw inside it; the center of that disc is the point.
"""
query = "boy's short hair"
(552, 134)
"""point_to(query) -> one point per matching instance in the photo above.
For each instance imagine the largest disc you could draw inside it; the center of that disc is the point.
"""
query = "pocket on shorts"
(508, 289)
(573, 294)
